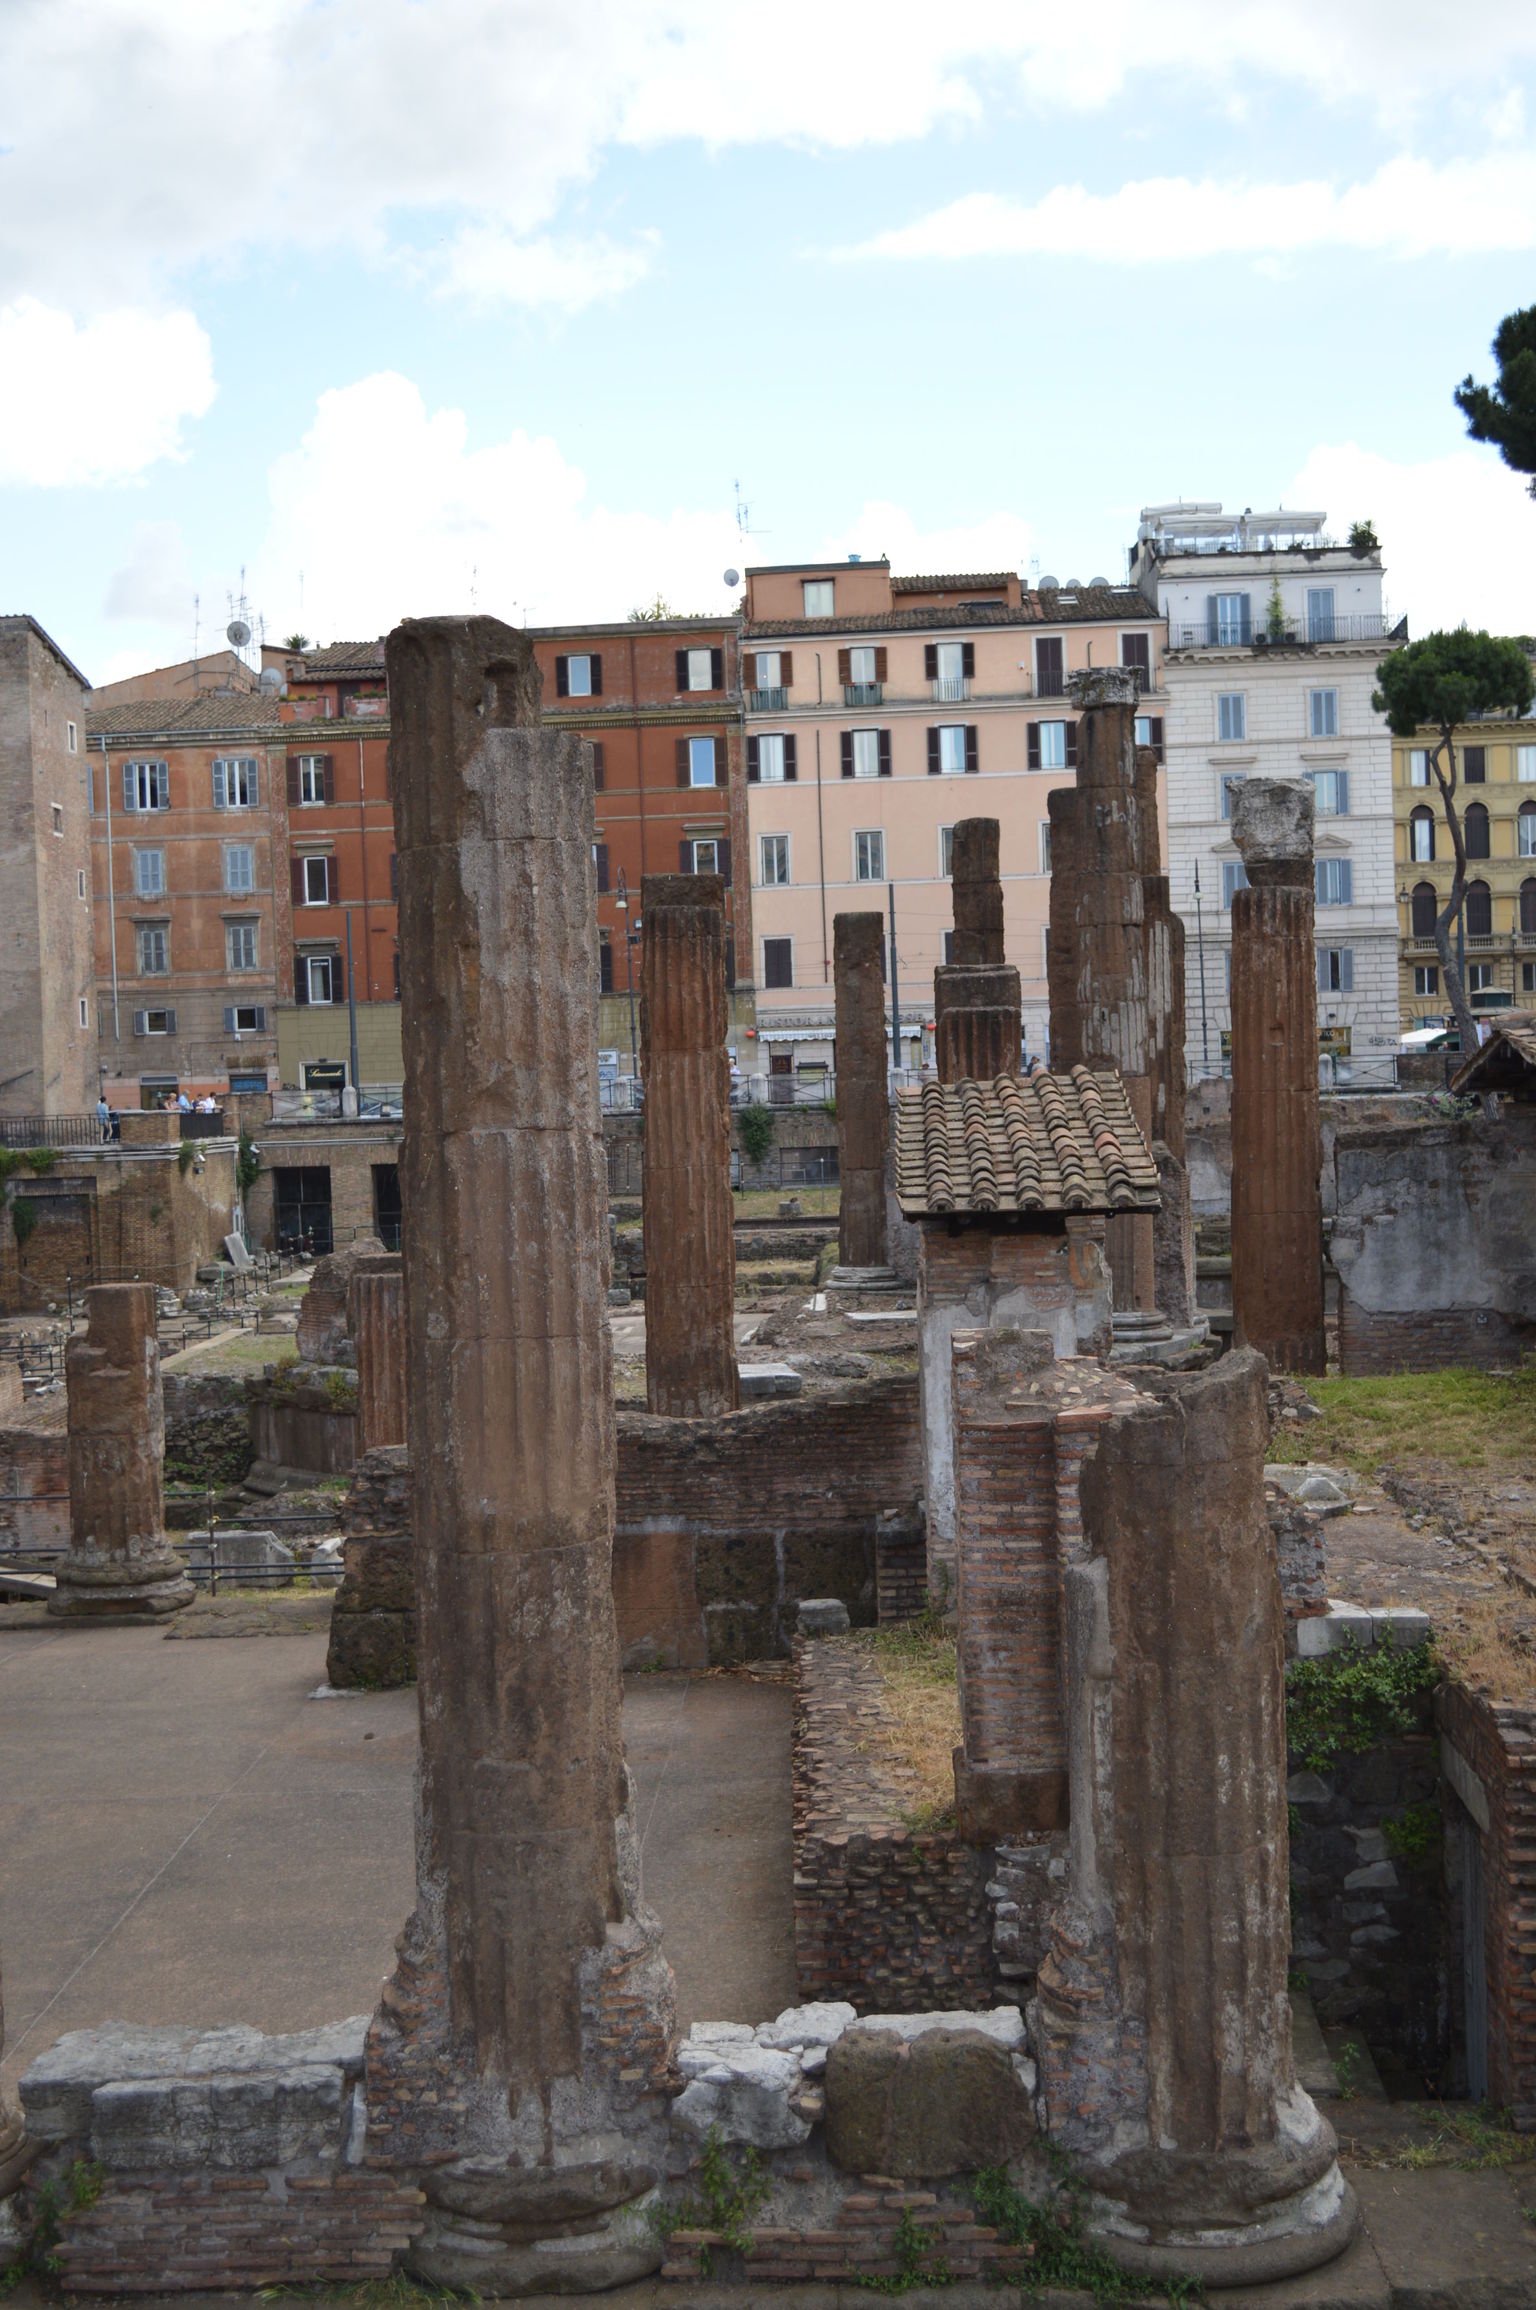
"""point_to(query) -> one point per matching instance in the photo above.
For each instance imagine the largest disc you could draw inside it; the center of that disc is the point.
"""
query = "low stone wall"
(891, 1918)
(34, 1487)
(373, 1617)
(1488, 1759)
(207, 1429)
(305, 1418)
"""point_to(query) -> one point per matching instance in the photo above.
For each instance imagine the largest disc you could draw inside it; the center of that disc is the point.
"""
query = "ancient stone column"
(690, 1250)
(120, 1566)
(376, 1321)
(15, 2149)
(863, 1087)
(517, 2060)
(977, 1006)
(1277, 1212)
(1161, 2022)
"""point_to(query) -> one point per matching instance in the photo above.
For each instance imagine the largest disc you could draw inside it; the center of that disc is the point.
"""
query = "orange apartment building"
(880, 711)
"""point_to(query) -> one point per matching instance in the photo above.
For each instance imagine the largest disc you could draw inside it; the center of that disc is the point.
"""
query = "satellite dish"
(733, 577)
(1097, 582)
(1050, 585)
(271, 681)
(238, 632)
(1073, 585)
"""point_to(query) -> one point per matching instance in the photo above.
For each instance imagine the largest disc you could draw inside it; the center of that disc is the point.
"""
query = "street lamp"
(631, 941)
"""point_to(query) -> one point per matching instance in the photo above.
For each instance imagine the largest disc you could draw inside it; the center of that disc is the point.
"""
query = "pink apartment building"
(879, 711)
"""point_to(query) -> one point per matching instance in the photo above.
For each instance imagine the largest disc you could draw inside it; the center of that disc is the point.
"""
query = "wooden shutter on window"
(847, 752)
(749, 669)
(682, 669)
(1155, 729)
(1032, 745)
(786, 669)
(1474, 763)
(300, 979)
(717, 669)
(328, 770)
(604, 968)
(219, 787)
(562, 677)
(682, 761)
(968, 659)
(600, 854)
(332, 880)
(394, 874)
(845, 667)
(685, 858)
(162, 786)
(1212, 620)
(130, 798)
(885, 753)
(752, 762)
(730, 962)
(933, 753)
(1071, 745)
(723, 861)
(338, 979)
(972, 747)
(880, 661)
(930, 661)
(599, 765)
(722, 747)
(297, 879)
(293, 781)
(596, 664)
(790, 772)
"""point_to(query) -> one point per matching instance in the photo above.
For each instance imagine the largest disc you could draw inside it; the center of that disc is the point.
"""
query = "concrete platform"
(187, 1836)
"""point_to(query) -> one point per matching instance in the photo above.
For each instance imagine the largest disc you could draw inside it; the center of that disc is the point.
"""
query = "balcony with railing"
(951, 689)
(1289, 633)
(863, 693)
(771, 701)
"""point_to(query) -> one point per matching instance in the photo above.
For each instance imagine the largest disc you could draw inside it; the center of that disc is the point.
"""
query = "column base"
(992, 1803)
(1147, 1337)
(1325, 2222)
(127, 1600)
(554, 2232)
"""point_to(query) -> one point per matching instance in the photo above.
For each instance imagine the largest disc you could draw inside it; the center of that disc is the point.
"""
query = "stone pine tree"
(1505, 413)
(1433, 685)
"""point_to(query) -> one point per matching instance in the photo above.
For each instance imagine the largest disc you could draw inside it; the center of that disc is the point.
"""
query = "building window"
(236, 783)
(154, 1023)
(1421, 837)
(579, 676)
(317, 877)
(85, 1015)
(1320, 613)
(1234, 877)
(771, 759)
(765, 670)
(1229, 620)
(953, 749)
(949, 949)
(246, 1019)
(1335, 882)
(72, 745)
(1528, 978)
(1525, 765)
(1474, 765)
(58, 819)
(1525, 831)
(80, 880)
(149, 873)
(701, 669)
(1424, 907)
(1136, 654)
(239, 867)
(869, 857)
(153, 945)
(1335, 970)
(866, 753)
(600, 861)
(1323, 715)
(1479, 910)
(1050, 668)
(1426, 978)
(1045, 846)
(240, 946)
(1479, 978)
(1418, 766)
(1528, 908)
(1047, 743)
(952, 663)
(863, 667)
(320, 978)
(696, 762)
(1231, 717)
(1231, 784)
(599, 765)
(947, 852)
(1149, 732)
(146, 786)
(816, 593)
(1330, 790)
(779, 953)
(604, 963)
(773, 860)
(703, 857)
(313, 780)
(1476, 832)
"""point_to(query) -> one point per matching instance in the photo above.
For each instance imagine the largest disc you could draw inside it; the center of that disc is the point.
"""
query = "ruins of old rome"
(767, 1325)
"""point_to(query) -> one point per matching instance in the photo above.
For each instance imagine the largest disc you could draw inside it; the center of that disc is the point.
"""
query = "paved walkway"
(186, 1836)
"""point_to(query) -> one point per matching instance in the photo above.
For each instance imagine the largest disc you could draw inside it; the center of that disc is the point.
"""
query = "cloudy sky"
(412, 305)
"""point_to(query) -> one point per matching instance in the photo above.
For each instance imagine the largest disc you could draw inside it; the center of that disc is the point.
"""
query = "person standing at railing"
(104, 1118)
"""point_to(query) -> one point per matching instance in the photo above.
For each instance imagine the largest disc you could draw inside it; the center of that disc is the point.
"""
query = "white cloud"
(490, 267)
(1458, 533)
(152, 584)
(1004, 541)
(97, 403)
(1409, 208)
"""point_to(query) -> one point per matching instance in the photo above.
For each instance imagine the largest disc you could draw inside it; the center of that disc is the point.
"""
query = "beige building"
(1496, 797)
(881, 710)
(47, 990)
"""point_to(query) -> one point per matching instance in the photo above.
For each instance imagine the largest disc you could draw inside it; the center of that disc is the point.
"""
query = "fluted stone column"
(15, 2150)
(977, 1002)
(690, 1250)
(376, 1321)
(863, 1087)
(1161, 2022)
(1277, 1211)
(516, 2062)
(120, 1565)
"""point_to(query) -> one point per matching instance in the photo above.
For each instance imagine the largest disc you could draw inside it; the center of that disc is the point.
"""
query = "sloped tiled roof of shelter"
(342, 658)
(950, 581)
(218, 713)
(1023, 1144)
(1090, 604)
(1506, 1062)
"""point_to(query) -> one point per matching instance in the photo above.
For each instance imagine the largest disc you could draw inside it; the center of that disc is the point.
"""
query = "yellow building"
(1496, 797)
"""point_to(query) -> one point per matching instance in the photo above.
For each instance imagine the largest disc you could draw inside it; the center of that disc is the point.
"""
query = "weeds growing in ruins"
(732, 2197)
(53, 2207)
(1053, 2232)
(1353, 1701)
(917, 1661)
(917, 2264)
(756, 1126)
(1470, 2136)
(1415, 1835)
(1471, 1419)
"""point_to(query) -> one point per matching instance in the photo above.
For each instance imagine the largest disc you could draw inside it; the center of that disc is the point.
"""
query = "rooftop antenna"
(238, 632)
(474, 593)
(743, 524)
(196, 628)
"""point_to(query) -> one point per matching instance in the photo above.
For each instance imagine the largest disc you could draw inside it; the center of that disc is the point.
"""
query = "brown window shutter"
(730, 962)
(790, 772)
(329, 769)
(749, 669)
(338, 979)
(293, 781)
(845, 667)
(599, 764)
(605, 968)
(332, 879)
(847, 747)
(682, 761)
(300, 979)
(597, 676)
(885, 753)
(752, 762)
(717, 669)
(968, 660)
(786, 669)
(1157, 735)
(600, 857)
(972, 747)
(1032, 743)
(562, 677)
(724, 856)
(685, 857)
(1071, 745)
(930, 661)
(880, 659)
(296, 880)
(933, 753)
(682, 669)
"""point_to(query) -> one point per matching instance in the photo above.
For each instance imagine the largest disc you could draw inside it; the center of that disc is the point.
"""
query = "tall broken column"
(376, 1321)
(1162, 2022)
(517, 2061)
(1277, 1211)
(977, 1003)
(15, 2149)
(690, 1249)
(863, 1087)
(120, 1565)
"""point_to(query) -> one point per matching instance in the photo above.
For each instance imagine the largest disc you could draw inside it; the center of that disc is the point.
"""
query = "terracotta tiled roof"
(1027, 1143)
(1506, 1059)
(341, 658)
(218, 713)
(950, 582)
(1122, 604)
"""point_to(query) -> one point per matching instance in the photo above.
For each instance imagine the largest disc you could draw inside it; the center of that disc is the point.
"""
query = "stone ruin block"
(324, 1335)
(120, 1565)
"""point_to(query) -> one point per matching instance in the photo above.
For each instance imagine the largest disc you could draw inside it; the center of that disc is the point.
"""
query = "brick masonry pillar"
(977, 1005)
(863, 1087)
(376, 1321)
(976, 893)
(530, 2011)
(120, 1565)
(1162, 2021)
(690, 1252)
(1277, 1212)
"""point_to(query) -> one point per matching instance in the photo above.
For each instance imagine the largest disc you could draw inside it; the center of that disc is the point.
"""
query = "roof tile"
(1024, 1143)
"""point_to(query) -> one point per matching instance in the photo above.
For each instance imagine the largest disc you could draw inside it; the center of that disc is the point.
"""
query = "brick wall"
(1373, 1344)
(1010, 1584)
(1497, 1741)
(892, 1918)
(34, 1487)
(114, 1214)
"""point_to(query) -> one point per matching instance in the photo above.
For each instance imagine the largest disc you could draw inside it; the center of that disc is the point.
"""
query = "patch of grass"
(918, 1664)
(763, 1202)
(1471, 1419)
(1480, 1645)
(1057, 2248)
(1472, 2137)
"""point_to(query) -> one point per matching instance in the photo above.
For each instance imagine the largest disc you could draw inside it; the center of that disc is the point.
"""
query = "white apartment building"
(1274, 635)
